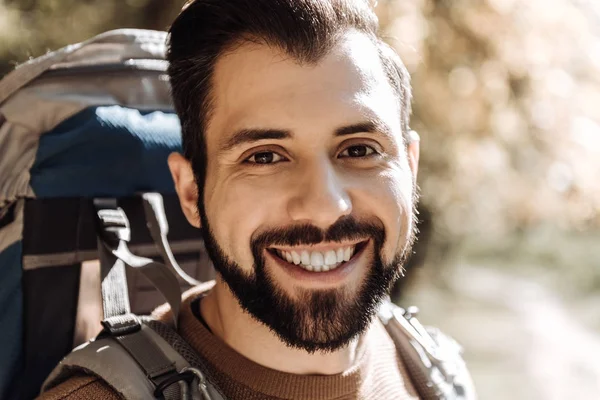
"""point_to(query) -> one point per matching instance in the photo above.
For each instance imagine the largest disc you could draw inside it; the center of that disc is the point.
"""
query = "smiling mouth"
(319, 261)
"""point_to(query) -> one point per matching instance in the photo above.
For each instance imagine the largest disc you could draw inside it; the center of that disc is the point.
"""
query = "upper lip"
(321, 247)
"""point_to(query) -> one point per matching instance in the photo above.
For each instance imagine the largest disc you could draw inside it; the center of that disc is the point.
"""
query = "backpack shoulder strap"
(108, 360)
(138, 365)
(130, 355)
(433, 359)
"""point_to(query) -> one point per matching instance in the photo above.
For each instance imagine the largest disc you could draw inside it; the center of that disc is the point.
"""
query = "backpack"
(84, 130)
(86, 205)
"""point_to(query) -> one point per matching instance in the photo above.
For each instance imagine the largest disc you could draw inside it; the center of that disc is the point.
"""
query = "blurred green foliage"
(29, 28)
(506, 95)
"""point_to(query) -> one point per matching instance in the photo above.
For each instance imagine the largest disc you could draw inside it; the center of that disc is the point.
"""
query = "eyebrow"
(254, 135)
(373, 126)
(245, 136)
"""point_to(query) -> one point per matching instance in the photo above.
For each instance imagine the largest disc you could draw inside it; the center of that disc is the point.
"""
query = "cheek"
(390, 198)
(237, 207)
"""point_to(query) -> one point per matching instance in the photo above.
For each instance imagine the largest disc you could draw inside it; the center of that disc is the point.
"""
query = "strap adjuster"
(120, 325)
(114, 225)
(187, 374)
(410, 325)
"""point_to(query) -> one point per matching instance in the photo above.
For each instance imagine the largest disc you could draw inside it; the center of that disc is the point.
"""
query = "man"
(299, 168)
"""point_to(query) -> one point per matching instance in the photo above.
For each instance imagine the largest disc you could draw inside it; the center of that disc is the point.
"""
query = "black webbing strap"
(113, 235)
(152, 360)
(157, 367)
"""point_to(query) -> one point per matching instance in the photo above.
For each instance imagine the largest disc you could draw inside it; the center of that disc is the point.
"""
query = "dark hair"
(304, 29)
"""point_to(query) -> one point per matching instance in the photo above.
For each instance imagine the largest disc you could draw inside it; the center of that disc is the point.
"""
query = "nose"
(320, 197)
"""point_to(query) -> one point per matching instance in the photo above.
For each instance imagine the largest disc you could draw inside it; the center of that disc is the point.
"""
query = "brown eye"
(358, 151)
(264, 157)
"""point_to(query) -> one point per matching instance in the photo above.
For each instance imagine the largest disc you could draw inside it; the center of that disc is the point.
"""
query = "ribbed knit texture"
(378, 373)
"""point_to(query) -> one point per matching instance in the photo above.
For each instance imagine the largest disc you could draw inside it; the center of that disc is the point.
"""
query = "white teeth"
(340, 255)
(296, 257)
(305, 258)
(316, 259)
(348, 253)
(330, 258)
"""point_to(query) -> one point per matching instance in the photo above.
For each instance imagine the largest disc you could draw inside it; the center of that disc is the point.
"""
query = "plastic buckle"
(113, 223)
(187, 374)
(407, 322)
(432, 350)
(121, 325)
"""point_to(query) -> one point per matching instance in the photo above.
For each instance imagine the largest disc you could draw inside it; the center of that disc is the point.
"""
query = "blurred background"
(507, 103)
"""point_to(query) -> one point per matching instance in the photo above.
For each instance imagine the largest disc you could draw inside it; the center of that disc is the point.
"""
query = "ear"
(185, 185)
(413, 150)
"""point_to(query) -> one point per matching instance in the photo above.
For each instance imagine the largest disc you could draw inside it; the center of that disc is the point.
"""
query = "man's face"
(309, 194)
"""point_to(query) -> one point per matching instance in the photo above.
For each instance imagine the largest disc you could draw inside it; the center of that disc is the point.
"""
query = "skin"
(313, 180)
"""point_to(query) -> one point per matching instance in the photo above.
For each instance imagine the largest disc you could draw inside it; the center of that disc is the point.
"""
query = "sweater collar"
(265, 380)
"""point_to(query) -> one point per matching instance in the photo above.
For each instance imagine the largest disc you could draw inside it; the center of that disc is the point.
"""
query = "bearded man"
(300, 169)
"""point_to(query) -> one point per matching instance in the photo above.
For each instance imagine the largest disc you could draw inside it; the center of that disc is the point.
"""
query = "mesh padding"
(180, 345)
(184, 349)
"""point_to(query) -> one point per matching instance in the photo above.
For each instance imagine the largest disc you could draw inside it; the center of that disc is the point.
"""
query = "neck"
(252, 339)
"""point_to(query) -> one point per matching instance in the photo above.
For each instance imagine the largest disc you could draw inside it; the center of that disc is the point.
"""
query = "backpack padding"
(11, 310)
(132, 364)
(11, 300)
(107, 359)
(114, 360)
(50, 304)
(31, 70)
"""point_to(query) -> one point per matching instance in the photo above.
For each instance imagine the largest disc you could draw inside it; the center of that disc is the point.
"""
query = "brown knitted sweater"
(378, 373)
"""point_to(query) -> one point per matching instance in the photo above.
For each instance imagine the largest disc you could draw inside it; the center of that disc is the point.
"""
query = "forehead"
(258, 86)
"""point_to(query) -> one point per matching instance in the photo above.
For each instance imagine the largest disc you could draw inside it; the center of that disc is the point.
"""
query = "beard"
(312, 320)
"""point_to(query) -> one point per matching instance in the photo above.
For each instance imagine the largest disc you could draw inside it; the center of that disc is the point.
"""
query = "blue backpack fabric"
(107, 151)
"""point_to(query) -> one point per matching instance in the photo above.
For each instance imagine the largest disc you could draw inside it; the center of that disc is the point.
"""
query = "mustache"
(347, 228)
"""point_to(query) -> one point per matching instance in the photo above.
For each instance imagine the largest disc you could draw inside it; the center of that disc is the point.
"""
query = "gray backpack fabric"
(83, 126)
